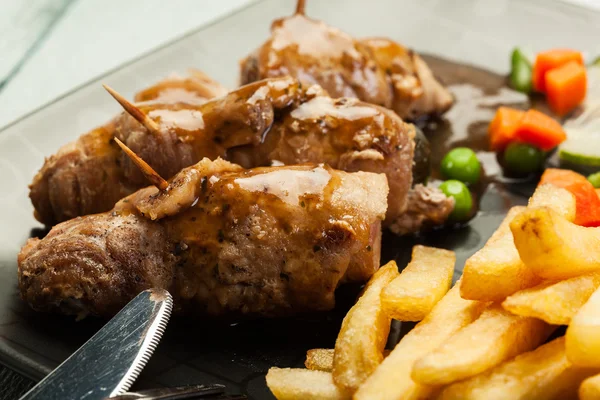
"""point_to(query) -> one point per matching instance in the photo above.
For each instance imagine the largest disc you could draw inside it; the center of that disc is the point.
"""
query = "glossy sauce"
(187, 119)
(313, 38)
(288, 185)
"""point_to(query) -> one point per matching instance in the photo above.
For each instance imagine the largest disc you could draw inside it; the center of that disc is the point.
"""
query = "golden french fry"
(542, 374)
(558, 199)
(392, 380)
(583, 334)
(424, 281)
(554, 302)
(360, 343)
(553, 247)
(590, 388)
(303, 384)
(319, 359)
(493, 338)
(496, 271)
(322, 359)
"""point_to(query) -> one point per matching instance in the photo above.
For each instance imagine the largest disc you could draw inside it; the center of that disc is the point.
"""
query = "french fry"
(558, 199)
(392, 380)
(554, 248)
(322, 359)
(583, 334)
(303, 384)
(590, 388)
(542, 374)
(493, 338)
(554, 302)
(424, 281)
(319, 360)
(496, 271)
(360, 343)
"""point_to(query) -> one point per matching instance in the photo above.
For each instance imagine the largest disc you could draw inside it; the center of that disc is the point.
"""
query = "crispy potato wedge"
(554, 302)
(542, 374)
(360, 343)
(493, 338)
(496, 270)
(553, 247)
(392, 380)
(319, 359)
(583, 334)
(303, 384)
(424, 281)
(590, 388)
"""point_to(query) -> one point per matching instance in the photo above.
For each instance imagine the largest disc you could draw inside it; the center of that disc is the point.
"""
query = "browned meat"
(194, 89)
(264, 122)
(427, 207)
(223, 240)
(87, 176)
(416, 91)
(377, 71)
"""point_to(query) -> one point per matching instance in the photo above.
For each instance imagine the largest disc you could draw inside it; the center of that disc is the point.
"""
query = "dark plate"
(473, 32)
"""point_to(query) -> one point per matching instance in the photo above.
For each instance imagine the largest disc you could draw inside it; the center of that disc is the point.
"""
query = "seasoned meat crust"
(375, 70)
(223, 240)
(87, 176)
(275, 120)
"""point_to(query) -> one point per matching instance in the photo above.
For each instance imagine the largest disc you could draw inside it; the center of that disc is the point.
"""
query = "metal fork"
(208, 392)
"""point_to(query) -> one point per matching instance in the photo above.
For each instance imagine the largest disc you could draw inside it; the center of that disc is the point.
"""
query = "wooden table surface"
(49, 47)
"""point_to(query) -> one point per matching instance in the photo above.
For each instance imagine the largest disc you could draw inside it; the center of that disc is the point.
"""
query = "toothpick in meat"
(146, 169)
(134, 111)
(300, 7)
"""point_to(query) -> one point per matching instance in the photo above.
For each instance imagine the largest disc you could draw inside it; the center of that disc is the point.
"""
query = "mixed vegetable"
(524, 139)
(461, 164)
(463, 202)
(559, 74)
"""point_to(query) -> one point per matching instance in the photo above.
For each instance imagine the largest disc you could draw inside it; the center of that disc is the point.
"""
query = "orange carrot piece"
(588, 201)
(503, 127)
(540, 130)
(566, 87)
(547, 60)
(598, 192)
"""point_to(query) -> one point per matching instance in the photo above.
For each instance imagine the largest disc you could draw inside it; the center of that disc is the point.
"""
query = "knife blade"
(109, 363)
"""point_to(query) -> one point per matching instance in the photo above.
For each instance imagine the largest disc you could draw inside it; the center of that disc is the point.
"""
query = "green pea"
(523, 159)
(461, 164)
(463, 203)
(595, 180)
(521, 72)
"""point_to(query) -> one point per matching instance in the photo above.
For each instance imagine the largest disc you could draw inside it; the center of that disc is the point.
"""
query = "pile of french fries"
(487, 337)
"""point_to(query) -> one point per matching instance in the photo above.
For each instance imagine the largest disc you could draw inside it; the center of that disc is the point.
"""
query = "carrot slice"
(566, 87)
(540, 130)
(503, 127)
(547, 60)
(588, 201)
